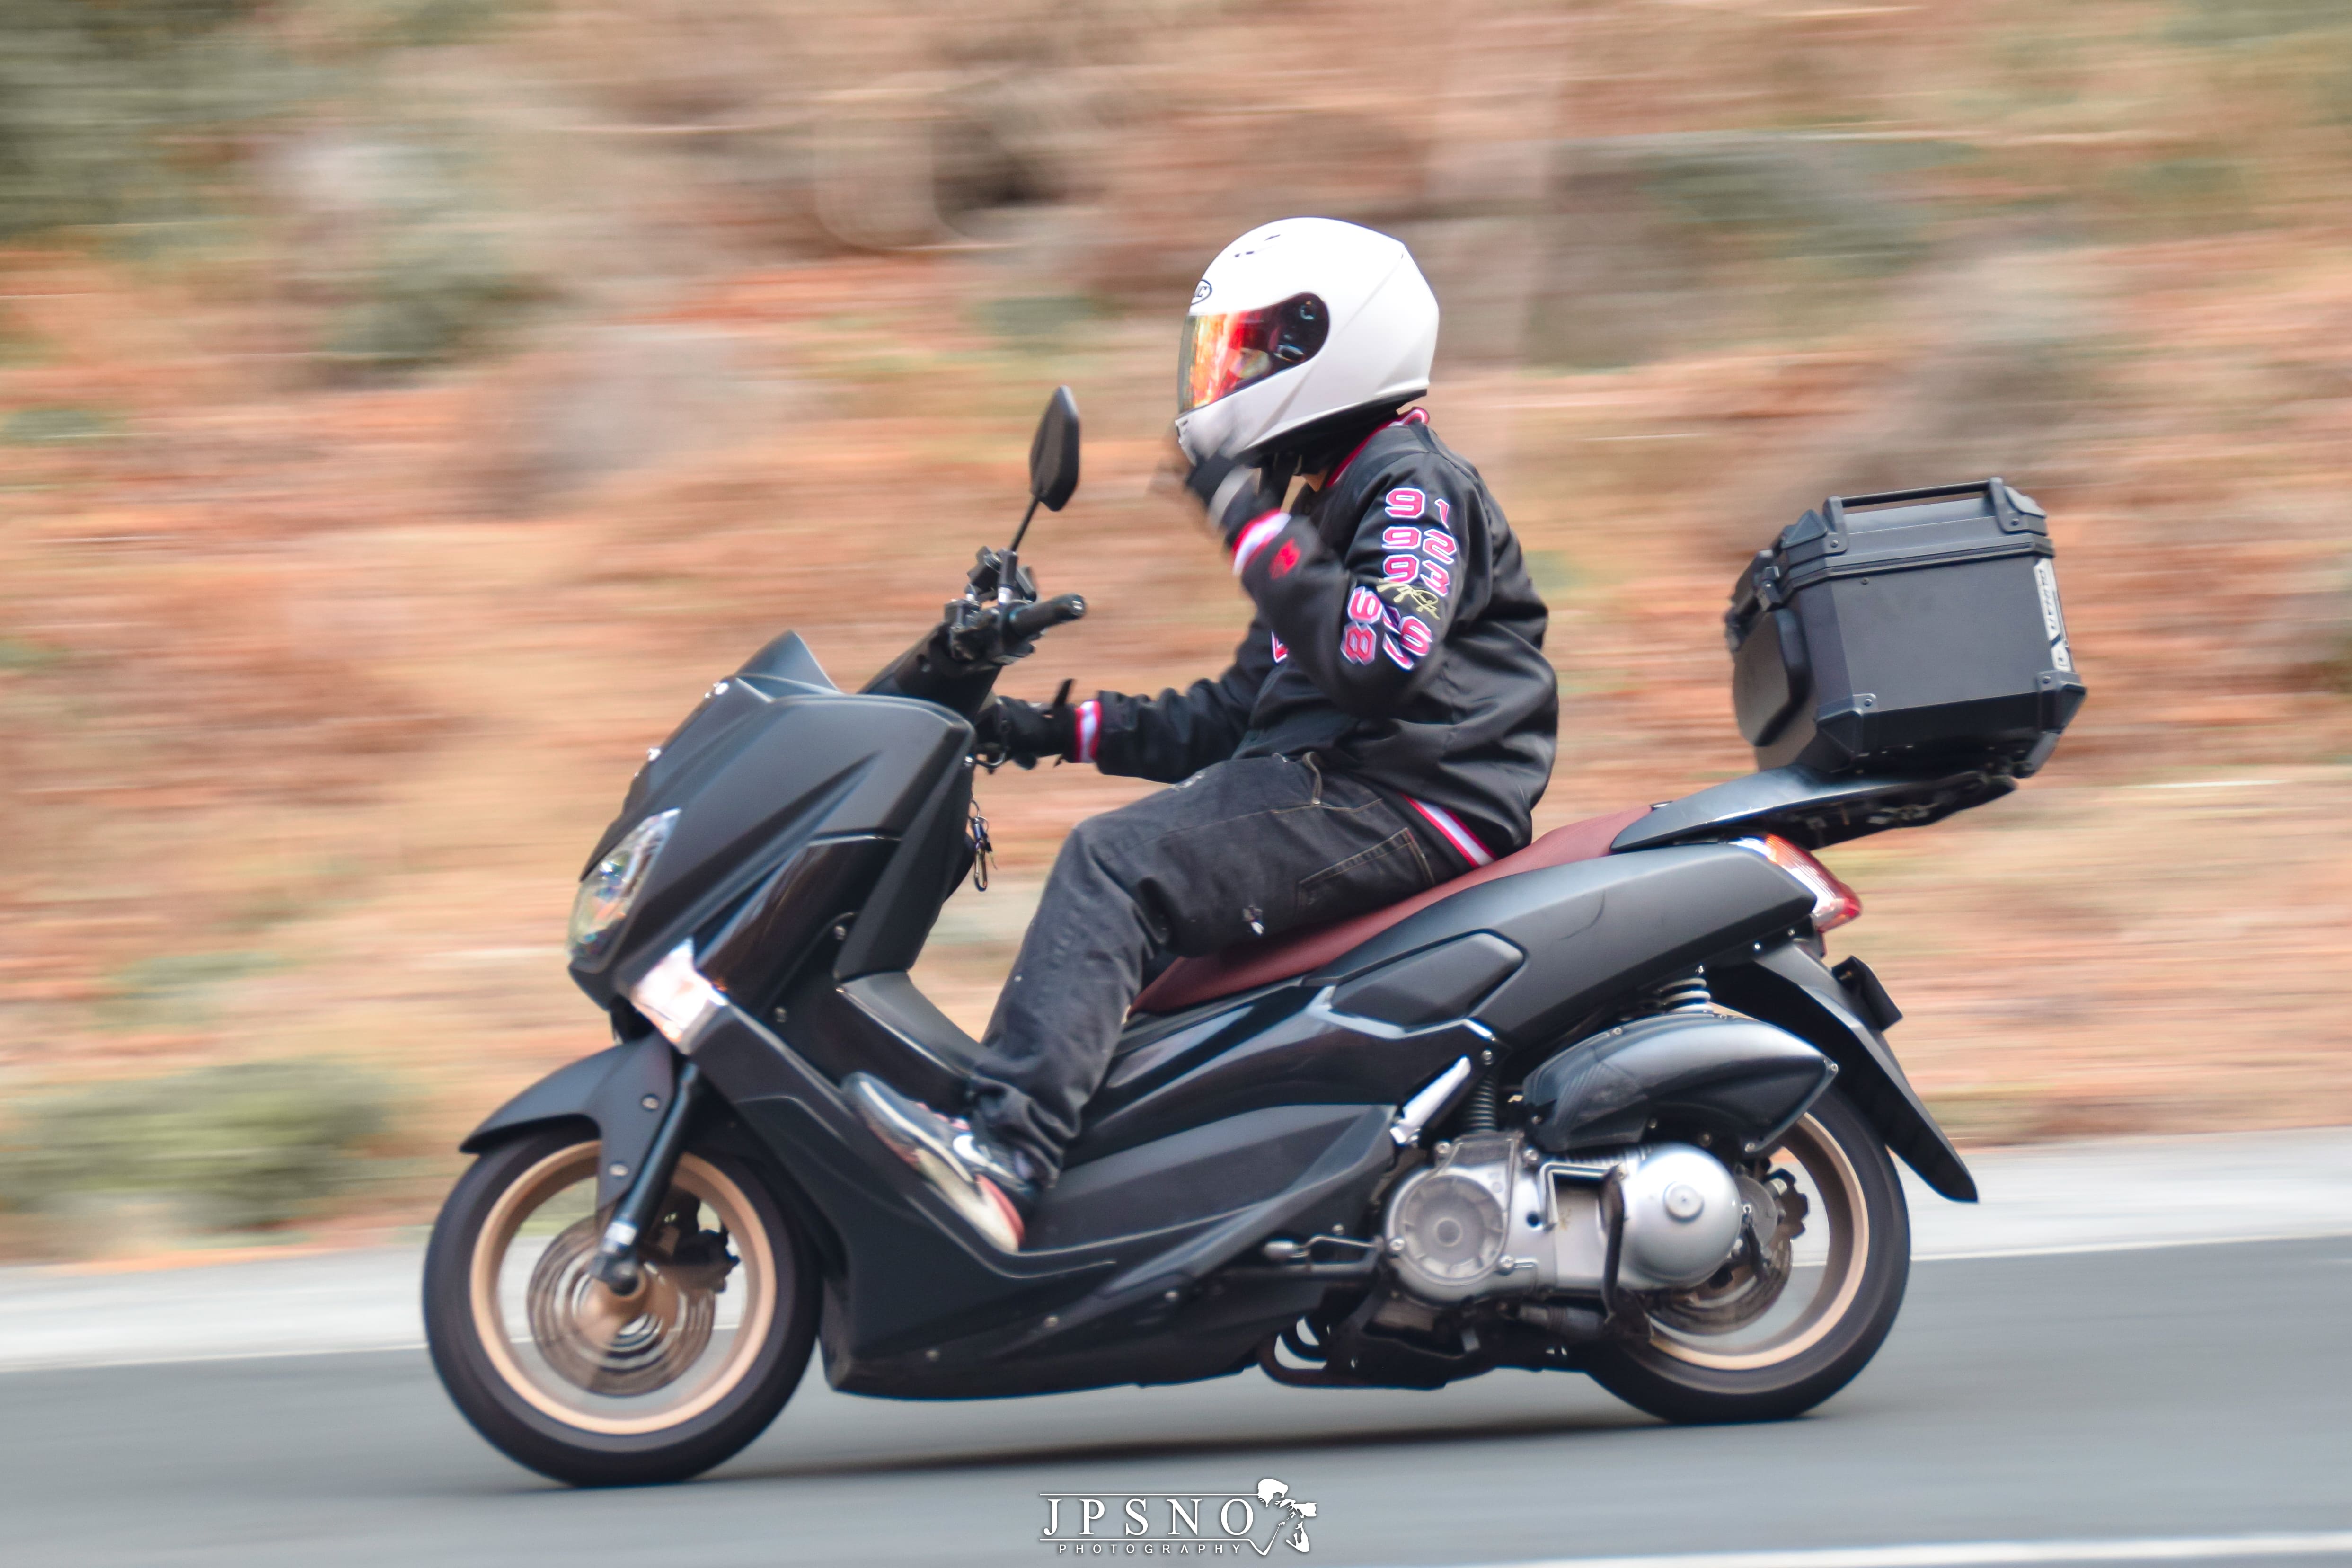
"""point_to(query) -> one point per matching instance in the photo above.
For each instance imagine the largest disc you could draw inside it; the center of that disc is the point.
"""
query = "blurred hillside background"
(408, 407)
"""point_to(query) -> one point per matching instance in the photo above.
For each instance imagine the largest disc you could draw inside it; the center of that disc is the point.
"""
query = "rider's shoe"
(986, 1183)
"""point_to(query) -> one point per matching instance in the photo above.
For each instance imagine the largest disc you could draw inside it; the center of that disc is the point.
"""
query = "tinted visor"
(1225, 353)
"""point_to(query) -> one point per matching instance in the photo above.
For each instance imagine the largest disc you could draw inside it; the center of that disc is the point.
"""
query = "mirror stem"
(1011, 567)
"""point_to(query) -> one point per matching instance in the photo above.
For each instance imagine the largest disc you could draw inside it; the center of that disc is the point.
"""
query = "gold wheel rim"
(522, 1198)
(1847, 1215)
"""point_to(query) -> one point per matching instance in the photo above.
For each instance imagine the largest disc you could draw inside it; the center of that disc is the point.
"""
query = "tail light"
(1834, 903)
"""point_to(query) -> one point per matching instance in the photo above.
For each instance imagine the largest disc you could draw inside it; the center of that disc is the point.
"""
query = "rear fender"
(1787, 985)
(1738, 1079)
(623, 1090)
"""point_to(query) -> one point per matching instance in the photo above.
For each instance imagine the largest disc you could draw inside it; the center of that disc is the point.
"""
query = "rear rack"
(1811, 809)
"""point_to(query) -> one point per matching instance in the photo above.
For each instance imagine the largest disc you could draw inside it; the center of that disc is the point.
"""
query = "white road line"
(2142, 1244)
(101, 1360)
(1970, 1554)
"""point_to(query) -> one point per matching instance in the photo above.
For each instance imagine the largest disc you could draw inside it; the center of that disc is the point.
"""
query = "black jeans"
(1242, 849)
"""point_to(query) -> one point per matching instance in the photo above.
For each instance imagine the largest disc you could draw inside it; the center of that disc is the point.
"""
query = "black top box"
(1916, 630)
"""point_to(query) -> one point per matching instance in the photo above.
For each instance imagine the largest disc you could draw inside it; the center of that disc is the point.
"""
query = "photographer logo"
(1176, 1524)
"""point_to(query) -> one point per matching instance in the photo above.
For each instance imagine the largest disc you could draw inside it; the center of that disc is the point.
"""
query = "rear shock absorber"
(1686, 994)
(1478, 1111)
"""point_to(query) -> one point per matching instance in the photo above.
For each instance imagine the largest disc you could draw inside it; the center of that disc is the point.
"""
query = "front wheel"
(1802, 1312)
(596, 1389)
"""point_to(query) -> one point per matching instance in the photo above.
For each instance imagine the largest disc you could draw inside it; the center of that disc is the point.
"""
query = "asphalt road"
(2189, 1391)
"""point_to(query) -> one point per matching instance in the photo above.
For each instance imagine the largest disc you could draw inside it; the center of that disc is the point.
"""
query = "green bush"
(134, 120)
(248, 1145)
(45, 427)
(1784, 198)
(115, 110)
(2220, 23)
(424, 276)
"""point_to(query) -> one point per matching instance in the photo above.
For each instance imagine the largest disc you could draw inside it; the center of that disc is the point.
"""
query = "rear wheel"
(1803, 1309)
(597, 1389)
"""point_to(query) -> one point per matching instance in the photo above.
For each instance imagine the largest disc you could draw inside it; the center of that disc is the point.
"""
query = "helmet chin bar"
(1306, 448)
(1323, 442)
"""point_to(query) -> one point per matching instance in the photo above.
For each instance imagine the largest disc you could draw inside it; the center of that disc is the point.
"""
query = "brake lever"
(976, 636)
(972, 626)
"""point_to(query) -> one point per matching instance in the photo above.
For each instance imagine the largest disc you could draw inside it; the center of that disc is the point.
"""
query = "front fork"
(616, 1265)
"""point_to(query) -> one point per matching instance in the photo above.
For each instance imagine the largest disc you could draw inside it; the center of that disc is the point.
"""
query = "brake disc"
(624, 1345)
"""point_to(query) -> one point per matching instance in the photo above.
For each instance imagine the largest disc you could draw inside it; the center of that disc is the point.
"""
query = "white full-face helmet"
(1296, 324)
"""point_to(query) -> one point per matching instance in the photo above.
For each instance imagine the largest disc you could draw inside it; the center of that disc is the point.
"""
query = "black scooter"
(1598, 1107)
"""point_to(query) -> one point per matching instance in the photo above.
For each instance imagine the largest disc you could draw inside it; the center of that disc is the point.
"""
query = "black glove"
(1021, 732)
(1233, 494)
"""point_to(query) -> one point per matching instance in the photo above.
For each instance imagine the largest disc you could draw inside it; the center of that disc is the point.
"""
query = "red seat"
(1246, 965)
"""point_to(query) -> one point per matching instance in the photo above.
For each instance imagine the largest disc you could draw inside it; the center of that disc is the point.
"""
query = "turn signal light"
(675, 997)
(1834, 903)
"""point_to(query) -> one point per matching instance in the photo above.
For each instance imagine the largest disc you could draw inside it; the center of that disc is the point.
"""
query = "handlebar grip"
(1031, 619)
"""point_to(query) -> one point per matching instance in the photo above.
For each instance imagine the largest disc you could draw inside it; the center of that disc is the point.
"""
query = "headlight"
(675, 996)
(608, 889)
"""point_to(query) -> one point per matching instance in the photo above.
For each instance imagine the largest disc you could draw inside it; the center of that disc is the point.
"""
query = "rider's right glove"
(1233, 494)
(1028, 731)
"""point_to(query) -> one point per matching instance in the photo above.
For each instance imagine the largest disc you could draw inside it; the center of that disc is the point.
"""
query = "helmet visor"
(1225, 353)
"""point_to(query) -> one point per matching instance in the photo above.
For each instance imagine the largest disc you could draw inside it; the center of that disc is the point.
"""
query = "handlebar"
(956, 663)
(996, 635)
(1029, 620)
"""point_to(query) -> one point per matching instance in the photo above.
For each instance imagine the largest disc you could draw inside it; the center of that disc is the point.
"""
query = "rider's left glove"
(1028, 731)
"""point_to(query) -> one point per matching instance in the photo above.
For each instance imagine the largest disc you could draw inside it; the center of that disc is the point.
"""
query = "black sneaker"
(983, 1182)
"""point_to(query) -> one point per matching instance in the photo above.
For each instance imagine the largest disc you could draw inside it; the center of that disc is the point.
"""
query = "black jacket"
(1397, 639)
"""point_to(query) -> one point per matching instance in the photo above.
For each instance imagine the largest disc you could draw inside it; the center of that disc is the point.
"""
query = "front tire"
(594, 1390)
(1708, 1361)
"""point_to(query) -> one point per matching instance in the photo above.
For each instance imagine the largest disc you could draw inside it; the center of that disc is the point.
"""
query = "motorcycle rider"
(1387, 722)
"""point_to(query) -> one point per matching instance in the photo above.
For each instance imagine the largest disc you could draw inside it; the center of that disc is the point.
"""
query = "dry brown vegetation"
(324, 654)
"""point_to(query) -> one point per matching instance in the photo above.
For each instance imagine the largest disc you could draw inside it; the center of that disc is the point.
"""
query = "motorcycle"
(1601, 1106)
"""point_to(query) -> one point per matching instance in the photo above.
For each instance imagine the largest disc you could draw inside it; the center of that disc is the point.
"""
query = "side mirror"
(1054, 455)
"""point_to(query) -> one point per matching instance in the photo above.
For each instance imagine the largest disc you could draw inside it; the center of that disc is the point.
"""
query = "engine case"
(1493, 1218)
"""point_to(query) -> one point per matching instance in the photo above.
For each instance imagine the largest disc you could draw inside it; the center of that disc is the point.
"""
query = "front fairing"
(784, 667)
(773, 759)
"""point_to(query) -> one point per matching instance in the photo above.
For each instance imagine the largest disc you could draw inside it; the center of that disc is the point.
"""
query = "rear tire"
(1677, 1376)
(700, 1392)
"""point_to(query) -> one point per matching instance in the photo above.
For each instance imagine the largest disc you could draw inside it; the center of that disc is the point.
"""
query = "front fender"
(623, 1090)
(1787, 985)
